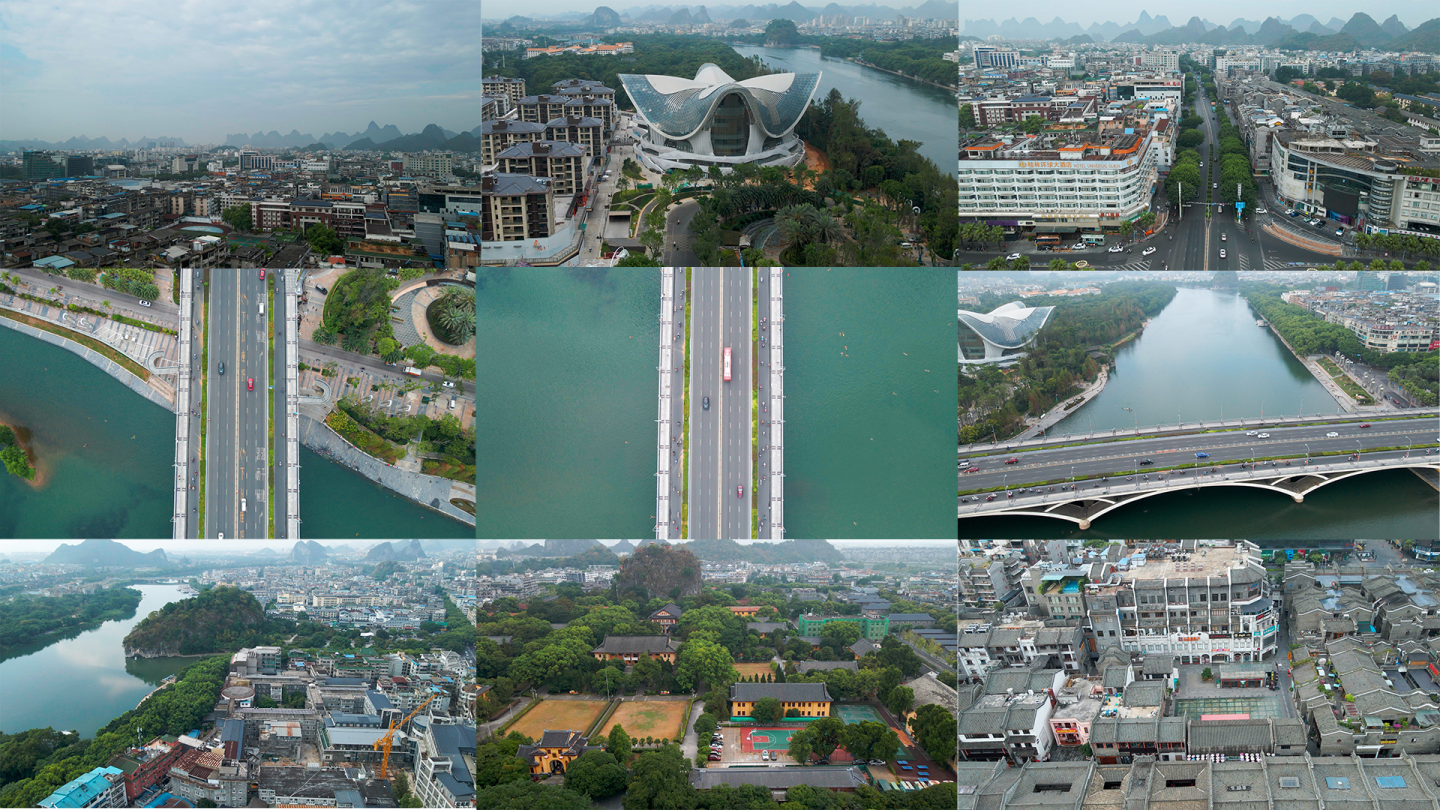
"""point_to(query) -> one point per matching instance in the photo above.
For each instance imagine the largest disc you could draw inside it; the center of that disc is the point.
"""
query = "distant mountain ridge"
(106, 554)
(1147, 30)
(388, 551)
(789, 551)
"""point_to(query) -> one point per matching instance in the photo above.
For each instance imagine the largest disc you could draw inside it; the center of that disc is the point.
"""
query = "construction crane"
(389, 737)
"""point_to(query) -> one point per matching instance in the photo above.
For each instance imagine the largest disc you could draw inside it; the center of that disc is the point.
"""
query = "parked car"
(1339, 232)
(1292, 213)
(1012, 257)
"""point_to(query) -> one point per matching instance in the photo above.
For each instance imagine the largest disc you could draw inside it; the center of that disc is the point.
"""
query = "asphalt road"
(1224, 449)
(676, 249)
(236, 434)
(277, 473)
(719, 454)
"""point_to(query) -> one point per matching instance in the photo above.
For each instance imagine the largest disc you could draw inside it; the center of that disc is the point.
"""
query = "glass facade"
(730, 127)
(972, 346)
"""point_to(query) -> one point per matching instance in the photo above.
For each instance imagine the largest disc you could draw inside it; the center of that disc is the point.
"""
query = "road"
(278, 399)
(1224, 449)
(937, 664)
(237, 465)
(720, 445)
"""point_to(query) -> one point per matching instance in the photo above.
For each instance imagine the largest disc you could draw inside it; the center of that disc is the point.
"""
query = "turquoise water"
(870, 402)
(566, 401)
(337, 502)
(105, 451)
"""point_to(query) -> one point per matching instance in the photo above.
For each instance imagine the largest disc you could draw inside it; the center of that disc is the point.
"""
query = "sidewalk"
(1059, 412)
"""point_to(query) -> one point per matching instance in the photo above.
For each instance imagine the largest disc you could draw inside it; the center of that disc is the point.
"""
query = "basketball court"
(859, 713)
(762, 739)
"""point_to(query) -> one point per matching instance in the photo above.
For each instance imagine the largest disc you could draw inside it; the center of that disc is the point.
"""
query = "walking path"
(669, 422)
(772, 402)
(427, 490)
(1060, 411)
(157, 391)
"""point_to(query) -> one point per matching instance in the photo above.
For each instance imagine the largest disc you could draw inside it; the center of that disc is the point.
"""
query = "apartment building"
(563, 164)
(430, 164)
(1059, 182)
(515, 207)
(985, 580)
(510, 90)
(1203, 603)
(444, 762)
(588, 106)
(583, 87)
(1011, 718)
(586, 131)
(99, 787)
(542, 108)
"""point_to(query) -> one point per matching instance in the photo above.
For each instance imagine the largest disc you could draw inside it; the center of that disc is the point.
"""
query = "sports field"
(746, 670)
(647, 718)
(857, 714)
(559, 715)
(760, 739)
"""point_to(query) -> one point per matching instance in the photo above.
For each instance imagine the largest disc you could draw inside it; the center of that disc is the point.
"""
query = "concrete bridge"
(1086, 502)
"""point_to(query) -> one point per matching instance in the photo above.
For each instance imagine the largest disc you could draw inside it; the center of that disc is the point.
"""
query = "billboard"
(1341, 202)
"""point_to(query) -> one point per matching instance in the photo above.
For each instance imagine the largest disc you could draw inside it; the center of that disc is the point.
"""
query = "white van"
(452, 404)
(242, 505)
(262, 309)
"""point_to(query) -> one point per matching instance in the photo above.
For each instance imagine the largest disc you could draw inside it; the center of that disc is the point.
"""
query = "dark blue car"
(1202, 455)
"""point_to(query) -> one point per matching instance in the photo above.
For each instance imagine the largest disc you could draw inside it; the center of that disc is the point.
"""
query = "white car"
(1117, 248)
(1263, 436)
(144, 303)
(447, 384)
(1214, 185)
(1222, 237)
(1012, 257)
(1147, 251)
(1249, 433)
(1222, 253)
(1332, 434)
(1261, 211)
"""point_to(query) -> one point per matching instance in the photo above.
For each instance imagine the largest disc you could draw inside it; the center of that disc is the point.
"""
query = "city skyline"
(305, 66)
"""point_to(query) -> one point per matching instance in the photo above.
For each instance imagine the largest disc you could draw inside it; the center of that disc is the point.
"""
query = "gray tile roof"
(783, 692)
(1145, 693)
(635, 645)
(805, 667)
(1229, 737)
(778, 778)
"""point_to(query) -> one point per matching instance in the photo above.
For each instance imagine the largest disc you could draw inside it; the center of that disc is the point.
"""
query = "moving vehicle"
(1202, 455)
(262, 309)
(1292, 213)
(1144, 462)
(1261, 211)
(1366, 425)
(972, 469)
(727, 364)
(1331, 435)
(1222, 237)
(1214, 185)
(1013, 256)
(1094, 238)
(144, 303)
(250, 383)
(762, 323)
(706, 403)
(1042, 241)
(1250, 432)
(222, 369)
(1339, 232)
(1263, 436)
(447, 384)
(242, 505)
(990, 497)
(1147, 251)
(262, 275)
(1222, 253)
(739, 490)
(1117, 248)
(412, 371)
(1012, 460)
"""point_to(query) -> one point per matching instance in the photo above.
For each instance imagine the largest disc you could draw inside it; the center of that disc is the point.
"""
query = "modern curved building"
(713, 120)
(1001, 336)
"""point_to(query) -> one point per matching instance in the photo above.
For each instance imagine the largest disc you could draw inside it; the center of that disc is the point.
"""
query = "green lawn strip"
(1151, 470)
(109, 353)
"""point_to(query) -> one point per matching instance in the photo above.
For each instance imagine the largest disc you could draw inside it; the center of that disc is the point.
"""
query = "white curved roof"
(1010, 325)
(680, 107)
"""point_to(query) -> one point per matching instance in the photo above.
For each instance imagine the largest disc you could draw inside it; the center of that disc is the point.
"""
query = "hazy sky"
(1222, 12)
(200, 69)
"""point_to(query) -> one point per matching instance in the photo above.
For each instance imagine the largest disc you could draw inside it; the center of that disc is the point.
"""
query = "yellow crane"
(389, 737)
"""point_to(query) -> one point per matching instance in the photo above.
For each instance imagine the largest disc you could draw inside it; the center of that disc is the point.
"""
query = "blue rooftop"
(81, 792)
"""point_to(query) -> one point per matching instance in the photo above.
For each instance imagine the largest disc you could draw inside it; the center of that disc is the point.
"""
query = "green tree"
(529, 795)
(825, 735)
(238, 217)
(767, 711)
(781, 32)
(595, 774)
(703, 662)
(618, 744)
(868, 740)
(323, 240)
(934, 728)
(900, 700)
(801, 746)
(660, 782)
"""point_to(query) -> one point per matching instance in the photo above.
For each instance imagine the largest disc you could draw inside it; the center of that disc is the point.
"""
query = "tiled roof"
(783, 692)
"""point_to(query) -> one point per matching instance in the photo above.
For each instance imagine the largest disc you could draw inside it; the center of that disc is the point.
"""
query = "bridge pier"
(1298, 498)
(1084, 524)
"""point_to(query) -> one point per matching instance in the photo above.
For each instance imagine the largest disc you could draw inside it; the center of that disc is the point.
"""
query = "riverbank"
(1342, 399)
(861, 62)
(1064, 409)
(56, 336)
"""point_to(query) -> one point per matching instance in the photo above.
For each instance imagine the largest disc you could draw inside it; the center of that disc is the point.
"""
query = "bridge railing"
(293, 283)
(667, 506)
(180, 519)
(1118, 485)
(1186, 427)
(774, 309)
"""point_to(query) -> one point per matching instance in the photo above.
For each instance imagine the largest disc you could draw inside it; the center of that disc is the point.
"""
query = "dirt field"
(643, 718)
(559, 715)
(746, 670)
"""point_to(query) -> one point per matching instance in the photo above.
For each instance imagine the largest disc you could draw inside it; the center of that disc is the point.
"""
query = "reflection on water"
(85, 681)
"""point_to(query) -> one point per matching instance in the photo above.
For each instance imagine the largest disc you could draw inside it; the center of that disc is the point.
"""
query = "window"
(1043, 787)
(1294, 781)
(1172, 783)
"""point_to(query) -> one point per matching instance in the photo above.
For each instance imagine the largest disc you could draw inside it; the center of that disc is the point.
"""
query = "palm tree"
(795, 224)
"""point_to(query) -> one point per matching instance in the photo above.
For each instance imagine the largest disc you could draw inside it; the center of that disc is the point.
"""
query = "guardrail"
(775, 401)
(1190, 427)
(667, 508)
(179, 519)
(292, 403)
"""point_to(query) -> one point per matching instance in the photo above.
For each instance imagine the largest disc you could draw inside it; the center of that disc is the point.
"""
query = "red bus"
(727, 364)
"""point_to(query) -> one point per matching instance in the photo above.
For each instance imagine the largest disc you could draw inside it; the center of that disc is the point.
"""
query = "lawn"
(559, 715)
(647, 718)
(746, 670)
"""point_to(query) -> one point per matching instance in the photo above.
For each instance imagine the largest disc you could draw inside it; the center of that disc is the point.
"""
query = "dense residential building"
(562, 164)
(511, 90)
(586, 131)
(515, 207)
(444, 764)
(433, 164)
(1384, 321)
(99, 787)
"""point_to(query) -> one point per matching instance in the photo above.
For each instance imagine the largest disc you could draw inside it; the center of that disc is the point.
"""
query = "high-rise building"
(988, 56)
(438, 164)
(79, 166)
(41, 166)
(515, 207)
